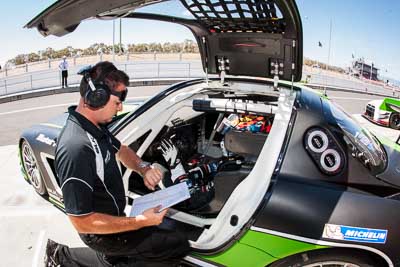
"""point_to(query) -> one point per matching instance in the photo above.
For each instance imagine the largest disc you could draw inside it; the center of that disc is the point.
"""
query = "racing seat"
(225, 182)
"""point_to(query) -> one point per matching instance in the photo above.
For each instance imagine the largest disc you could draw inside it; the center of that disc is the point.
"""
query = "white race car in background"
(384, 111)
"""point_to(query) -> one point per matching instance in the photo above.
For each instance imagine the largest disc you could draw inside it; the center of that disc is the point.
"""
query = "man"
(63, 66)
(92, 186)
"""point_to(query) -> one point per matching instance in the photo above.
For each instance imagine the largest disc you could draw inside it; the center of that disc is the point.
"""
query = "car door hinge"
(276, 70)
(223, 67)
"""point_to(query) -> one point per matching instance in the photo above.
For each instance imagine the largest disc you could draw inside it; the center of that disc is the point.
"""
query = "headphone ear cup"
(97, 98)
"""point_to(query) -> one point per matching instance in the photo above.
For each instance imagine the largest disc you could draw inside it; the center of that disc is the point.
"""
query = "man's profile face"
(113, 106)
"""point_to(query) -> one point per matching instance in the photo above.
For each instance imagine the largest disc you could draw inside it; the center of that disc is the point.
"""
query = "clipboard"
(166, 198)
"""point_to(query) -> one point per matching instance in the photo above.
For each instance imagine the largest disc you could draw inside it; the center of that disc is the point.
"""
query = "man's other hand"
(152, 177)
(153, 216)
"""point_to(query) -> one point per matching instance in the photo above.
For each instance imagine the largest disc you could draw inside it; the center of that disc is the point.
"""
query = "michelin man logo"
(333, 232)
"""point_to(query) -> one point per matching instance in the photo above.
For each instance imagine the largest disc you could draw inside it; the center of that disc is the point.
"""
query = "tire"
(394, 121)
(331, 258)
(31, 169)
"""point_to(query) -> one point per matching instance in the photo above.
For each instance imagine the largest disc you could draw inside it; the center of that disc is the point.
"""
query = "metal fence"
(136, 70)
(146, 66)
(325, 78)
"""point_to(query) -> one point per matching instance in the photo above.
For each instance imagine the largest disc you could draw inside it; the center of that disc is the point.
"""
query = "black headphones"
(97, 93)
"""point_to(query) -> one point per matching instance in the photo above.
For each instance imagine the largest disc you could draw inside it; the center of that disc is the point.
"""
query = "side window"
(136, 145)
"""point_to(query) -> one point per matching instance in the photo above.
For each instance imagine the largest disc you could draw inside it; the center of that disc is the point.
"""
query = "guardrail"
(135, 70)
(184, 69)
(322, 78)
(47, 64)
(322, 87)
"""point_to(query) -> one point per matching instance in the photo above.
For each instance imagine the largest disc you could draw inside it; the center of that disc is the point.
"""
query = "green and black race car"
(302, 183)
(385, 112)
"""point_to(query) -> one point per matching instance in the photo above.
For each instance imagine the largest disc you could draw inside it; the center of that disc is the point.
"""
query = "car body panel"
(308, 208)
(254, 249)
(263, 43)
(390, 104)
(52, 21)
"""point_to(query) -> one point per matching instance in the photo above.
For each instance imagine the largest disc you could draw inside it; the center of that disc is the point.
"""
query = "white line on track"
(351, 98)
(55, 106)
(39, 248)
(37, 108)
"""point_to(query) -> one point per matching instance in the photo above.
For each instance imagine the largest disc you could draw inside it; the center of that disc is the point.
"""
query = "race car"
(384, 112)
(301, 184)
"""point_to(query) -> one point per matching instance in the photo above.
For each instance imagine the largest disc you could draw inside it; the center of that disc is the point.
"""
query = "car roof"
(242, 37)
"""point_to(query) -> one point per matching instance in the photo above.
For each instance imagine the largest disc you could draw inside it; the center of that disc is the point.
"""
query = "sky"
(362, 28)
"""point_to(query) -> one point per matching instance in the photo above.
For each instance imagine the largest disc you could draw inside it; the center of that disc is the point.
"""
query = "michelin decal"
(357, 234)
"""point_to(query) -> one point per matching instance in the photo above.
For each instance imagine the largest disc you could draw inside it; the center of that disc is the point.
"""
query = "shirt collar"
(86, 124)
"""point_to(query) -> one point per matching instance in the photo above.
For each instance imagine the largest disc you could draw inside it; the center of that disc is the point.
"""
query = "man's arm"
(132, 161)
(99, 223)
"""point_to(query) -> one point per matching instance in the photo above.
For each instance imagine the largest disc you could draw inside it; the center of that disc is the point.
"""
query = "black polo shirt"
(89, 175)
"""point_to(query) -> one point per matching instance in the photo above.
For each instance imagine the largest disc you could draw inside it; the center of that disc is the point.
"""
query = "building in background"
(362, 69)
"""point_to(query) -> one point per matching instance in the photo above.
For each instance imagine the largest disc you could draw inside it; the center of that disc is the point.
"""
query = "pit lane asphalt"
(26, 220)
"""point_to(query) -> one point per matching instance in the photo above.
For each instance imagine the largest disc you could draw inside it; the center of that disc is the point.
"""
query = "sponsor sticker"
(357, 234)
(44, 139)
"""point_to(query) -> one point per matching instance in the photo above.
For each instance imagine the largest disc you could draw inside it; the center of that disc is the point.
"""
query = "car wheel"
(32, 169)
(394, 121)
(330, 258)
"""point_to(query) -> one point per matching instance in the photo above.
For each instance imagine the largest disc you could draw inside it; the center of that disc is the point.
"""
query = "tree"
(187, 46)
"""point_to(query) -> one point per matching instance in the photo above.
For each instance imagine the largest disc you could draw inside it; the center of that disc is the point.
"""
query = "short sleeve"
(76, 171)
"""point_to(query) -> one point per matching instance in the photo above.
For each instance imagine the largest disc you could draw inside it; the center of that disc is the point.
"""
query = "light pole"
(113, 46)
(329, 54)
(372, 69)
(329, 47)
(120, 36)
(362, 69)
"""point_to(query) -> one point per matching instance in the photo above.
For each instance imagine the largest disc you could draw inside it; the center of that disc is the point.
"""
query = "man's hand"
(152, 177)
(152, 217)
(128, 157)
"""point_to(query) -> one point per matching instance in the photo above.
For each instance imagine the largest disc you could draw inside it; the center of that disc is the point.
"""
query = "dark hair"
(107, 72)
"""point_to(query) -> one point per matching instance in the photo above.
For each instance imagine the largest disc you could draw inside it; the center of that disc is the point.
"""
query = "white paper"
(165, 198)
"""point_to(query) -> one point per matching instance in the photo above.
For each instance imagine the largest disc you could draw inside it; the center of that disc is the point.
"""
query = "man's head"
(64, 57)
(105, 76)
